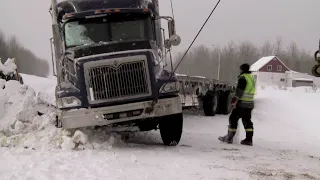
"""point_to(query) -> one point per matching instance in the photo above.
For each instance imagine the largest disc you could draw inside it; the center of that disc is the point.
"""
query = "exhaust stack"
(56, 40)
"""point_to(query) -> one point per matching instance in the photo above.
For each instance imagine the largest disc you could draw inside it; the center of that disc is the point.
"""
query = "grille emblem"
(115, 63)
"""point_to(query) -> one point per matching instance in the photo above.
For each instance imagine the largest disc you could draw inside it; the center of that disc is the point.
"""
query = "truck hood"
(95, 49)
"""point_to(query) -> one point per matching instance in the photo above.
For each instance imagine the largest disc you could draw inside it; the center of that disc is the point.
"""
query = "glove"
(234, 102)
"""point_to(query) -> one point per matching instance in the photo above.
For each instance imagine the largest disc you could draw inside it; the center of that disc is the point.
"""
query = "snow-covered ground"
(286, 142)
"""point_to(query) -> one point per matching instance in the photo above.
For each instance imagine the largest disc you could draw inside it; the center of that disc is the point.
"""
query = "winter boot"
(227, 138)
(248, 140)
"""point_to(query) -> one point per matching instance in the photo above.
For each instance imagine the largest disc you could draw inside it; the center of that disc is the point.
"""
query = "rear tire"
(171, 129)
(220, 103)
(210, 104)
(225, 102)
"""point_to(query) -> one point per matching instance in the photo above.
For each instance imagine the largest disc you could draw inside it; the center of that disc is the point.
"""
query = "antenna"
(172, 9)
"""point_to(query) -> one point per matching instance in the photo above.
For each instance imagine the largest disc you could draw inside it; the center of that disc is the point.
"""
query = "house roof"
(263, 61)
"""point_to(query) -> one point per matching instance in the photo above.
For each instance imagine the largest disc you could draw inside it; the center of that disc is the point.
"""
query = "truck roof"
(104, 12)
(76, 6)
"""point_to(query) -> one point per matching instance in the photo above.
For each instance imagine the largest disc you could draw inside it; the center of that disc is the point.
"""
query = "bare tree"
(267, 49)
(26, 61)
(293, 56)
(203, 61)
(3, 47)
(13, 47)
(278, 46)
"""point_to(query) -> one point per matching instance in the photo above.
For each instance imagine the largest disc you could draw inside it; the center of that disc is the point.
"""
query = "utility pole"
(219, 62)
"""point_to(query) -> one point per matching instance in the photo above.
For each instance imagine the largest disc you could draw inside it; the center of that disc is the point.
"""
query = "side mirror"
(174, 40)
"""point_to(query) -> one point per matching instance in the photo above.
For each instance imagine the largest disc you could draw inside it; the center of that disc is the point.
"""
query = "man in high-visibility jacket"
(242, 104)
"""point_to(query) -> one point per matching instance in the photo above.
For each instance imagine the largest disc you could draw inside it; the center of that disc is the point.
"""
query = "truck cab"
(109, 59)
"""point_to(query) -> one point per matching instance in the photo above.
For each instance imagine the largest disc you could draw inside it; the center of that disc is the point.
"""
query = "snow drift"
(23, 115)
(27, 119)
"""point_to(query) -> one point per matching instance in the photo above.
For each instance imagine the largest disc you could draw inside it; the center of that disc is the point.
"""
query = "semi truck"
(110, 61)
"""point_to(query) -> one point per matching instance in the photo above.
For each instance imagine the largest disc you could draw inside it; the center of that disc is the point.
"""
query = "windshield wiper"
(79, 45)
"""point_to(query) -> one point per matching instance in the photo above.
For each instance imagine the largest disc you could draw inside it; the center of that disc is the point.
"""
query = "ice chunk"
(68, 143)
(79, 137)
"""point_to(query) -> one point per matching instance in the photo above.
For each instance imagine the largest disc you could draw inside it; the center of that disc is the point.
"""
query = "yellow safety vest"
(250, 89)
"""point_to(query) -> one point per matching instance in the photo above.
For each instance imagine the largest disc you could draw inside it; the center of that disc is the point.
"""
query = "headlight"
(169, 87)
(67, 102)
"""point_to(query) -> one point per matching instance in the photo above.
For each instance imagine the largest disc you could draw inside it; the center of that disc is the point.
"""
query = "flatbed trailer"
(208, 95)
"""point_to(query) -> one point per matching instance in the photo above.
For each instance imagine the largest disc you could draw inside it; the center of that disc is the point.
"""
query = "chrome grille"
(108, 82)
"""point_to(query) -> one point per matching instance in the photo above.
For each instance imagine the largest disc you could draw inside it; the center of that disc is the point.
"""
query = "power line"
(153, 103)
(196, 36)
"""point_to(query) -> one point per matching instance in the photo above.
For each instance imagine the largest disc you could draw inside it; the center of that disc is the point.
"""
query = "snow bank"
(291, 114)
(44, 87)
(28, 118)
(301, 89)
(22, 115)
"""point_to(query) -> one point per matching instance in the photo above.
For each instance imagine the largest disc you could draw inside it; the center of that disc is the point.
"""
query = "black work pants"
(245, 115)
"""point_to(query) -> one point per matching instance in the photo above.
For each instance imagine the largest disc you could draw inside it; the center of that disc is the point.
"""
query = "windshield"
(119, 27)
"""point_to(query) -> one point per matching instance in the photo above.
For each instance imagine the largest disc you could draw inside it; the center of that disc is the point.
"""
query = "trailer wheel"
(316, 70)
(221, 102)
(171, 129)
(210, 104)
(225, 102)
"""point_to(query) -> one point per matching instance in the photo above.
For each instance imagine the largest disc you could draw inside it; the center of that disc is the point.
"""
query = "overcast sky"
(253, 20)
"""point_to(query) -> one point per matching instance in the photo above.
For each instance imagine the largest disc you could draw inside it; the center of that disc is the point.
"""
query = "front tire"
(171, 129)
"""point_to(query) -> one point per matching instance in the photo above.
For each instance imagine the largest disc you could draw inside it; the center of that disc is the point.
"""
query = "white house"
(271, 70)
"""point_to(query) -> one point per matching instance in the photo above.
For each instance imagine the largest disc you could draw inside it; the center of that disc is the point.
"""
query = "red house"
(270, 70)
(269, 64)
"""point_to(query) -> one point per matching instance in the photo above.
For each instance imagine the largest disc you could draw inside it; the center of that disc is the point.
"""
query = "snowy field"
(286, 142)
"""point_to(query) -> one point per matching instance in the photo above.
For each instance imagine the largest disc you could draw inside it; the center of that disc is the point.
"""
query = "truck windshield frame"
(119, 27)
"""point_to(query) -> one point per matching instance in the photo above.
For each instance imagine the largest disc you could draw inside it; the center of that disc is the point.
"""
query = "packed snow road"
(286, 144)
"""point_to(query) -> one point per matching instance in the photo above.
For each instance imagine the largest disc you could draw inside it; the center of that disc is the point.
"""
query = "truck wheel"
(316, 70)
(171, 129)
(220, 102)
(225, 103)
(210, 104)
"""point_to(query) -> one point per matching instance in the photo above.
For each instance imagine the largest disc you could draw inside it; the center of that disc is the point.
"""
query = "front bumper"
(99, 116)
